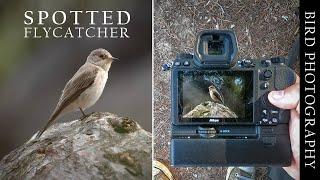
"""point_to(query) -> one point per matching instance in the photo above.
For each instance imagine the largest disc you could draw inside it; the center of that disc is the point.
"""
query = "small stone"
(285, 17)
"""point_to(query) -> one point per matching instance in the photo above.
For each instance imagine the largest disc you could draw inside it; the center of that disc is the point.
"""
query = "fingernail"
(277, 94)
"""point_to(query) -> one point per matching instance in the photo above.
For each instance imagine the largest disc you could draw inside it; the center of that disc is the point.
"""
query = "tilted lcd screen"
(215, 96)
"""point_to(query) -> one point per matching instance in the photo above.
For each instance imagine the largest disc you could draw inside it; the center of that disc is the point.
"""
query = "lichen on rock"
(125, 125)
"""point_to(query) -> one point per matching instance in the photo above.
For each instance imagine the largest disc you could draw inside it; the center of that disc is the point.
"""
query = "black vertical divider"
(309, 91)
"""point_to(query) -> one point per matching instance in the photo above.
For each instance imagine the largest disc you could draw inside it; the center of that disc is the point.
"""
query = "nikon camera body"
(220, 112)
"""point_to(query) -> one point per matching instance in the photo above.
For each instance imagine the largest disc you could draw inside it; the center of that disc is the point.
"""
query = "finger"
(298, 108)
(287, 98)
(294, 131)
(297, 78)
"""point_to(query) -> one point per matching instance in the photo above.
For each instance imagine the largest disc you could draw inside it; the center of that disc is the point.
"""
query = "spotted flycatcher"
(85, 87)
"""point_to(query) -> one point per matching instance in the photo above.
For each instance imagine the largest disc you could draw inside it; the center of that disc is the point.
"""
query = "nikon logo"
(214, 120)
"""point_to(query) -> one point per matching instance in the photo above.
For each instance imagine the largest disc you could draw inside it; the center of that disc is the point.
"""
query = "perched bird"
(85, 87)
(215, 95)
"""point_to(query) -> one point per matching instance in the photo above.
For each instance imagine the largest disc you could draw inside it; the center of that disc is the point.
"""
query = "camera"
(220, 114)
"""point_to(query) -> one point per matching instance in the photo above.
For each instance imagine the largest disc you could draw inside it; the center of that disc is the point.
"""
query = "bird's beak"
(114, 58)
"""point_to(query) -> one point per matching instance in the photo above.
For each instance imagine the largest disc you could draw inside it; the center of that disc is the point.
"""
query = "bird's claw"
(85, 116)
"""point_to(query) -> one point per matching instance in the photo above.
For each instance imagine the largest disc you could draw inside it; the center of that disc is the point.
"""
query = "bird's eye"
(103, 56)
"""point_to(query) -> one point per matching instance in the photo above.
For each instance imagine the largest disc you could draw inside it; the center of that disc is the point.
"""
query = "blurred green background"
(34, 71)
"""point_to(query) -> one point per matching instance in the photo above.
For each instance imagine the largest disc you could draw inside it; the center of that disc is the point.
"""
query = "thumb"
(286, 99)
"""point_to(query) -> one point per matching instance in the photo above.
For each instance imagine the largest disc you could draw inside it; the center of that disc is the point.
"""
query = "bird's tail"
(54, 116)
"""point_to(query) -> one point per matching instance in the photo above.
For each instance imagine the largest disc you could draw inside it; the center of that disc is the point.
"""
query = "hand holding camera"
(289, 98)
(221, 114)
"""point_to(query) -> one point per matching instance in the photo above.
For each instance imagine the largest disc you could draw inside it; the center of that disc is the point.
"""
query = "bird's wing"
(219, 96)
(83, 79)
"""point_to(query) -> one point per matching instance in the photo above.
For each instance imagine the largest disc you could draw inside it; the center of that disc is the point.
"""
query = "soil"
(263, 29)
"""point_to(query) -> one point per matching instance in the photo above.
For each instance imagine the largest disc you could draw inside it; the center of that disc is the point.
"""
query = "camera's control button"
(264, 113)
(265, 120)
(186, 63)
(277, 60)
(177, 63)
(274, 112)
(266, 63)
(267, 74)
(166, 66)
(247, 63)
(274, 120)
(264, 85)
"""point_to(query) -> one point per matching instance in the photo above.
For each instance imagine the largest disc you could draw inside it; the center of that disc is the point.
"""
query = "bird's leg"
(82, 111)
(84, 115)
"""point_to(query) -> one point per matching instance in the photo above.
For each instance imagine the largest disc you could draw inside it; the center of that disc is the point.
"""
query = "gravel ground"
(263, 29)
